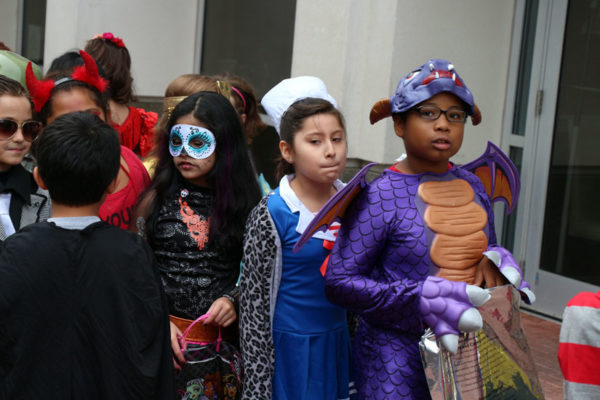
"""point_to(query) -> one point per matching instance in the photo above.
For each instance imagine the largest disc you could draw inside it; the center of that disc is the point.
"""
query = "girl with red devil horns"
(85, 90)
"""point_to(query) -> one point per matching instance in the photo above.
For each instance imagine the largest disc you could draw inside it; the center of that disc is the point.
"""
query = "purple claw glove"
(507, 265)
(448, 308)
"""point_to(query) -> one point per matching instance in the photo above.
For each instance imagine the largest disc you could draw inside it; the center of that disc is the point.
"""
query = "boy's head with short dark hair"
(78, 157)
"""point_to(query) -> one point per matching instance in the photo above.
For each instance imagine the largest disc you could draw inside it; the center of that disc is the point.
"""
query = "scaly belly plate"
(458, 222)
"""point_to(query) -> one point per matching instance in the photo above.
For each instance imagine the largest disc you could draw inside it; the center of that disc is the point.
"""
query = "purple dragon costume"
(409, 245)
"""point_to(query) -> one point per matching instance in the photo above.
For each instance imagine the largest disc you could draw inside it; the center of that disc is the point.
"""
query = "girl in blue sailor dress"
(295, 343)
(310, 334)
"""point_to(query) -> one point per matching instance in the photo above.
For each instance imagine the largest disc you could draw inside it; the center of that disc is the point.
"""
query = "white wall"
(160, 35)
(346, 43)
(361, 49)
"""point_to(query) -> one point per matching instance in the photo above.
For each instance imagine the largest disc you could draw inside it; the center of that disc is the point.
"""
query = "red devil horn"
(38, 90)
(88, 73)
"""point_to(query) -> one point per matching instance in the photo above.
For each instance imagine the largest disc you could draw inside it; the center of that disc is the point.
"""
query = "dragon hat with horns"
(431, 78)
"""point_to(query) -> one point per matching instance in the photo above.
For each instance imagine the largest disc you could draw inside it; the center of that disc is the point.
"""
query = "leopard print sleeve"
(256, 341)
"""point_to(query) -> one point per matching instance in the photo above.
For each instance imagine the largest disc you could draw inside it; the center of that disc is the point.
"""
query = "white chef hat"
(277, 100)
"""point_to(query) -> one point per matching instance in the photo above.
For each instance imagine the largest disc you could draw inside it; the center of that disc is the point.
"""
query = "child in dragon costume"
(417, 244)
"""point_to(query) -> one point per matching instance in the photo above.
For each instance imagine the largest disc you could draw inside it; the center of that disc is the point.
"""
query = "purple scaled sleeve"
(380, 258)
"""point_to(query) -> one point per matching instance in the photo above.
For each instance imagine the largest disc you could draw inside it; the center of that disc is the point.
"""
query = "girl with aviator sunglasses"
(29, 129)
(22, 202)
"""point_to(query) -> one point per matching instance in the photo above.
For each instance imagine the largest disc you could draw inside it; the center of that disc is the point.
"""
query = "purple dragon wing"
(335, 208)
(498, 175)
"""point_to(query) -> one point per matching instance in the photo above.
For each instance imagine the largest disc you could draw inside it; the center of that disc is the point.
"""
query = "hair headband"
(277, 100)
(431, 78)
(239, 93)
(117, 41)
(87, 73)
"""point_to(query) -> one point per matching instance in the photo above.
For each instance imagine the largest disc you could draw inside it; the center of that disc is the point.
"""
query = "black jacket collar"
(20, 182)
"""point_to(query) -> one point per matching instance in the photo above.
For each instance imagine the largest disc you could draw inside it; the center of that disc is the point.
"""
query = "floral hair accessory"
(87, 73)
(117, 41)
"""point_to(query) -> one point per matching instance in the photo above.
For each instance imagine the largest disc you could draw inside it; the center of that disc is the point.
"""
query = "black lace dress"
(194, 272)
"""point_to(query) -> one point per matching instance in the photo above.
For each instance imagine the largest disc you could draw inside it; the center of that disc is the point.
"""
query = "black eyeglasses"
(30, 129)
(433, 112)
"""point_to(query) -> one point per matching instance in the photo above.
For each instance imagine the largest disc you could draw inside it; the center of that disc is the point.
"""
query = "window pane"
(524, 74)
(34, 24)
(571, 241)
(252, 39)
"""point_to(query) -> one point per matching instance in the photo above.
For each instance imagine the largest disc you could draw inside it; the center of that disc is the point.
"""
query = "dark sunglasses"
(30, 129)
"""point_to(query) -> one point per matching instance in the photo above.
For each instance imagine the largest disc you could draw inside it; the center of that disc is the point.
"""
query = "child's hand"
(222, 313)
(488, 275)
(508, 267)
(178, 358)
(448, 308)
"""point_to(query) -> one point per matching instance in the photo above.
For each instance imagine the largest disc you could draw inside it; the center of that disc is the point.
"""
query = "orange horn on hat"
(380, 110)
(476, 117)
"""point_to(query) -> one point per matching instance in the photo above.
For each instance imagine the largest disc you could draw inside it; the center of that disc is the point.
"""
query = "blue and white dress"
(310, 335)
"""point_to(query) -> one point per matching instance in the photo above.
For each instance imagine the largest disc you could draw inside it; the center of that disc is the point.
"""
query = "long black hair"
(232, 178)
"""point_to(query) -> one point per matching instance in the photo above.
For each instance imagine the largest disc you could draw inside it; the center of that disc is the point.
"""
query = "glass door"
(571, 235)
(559, 234)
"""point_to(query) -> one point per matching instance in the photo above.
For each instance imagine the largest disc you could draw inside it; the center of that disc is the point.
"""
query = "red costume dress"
(118, 207)
(137, 131)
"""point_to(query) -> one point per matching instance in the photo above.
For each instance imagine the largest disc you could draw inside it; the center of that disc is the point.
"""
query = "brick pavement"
(542, 336)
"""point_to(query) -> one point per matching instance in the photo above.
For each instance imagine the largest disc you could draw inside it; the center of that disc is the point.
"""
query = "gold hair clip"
(169, 104)
(224, 89)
